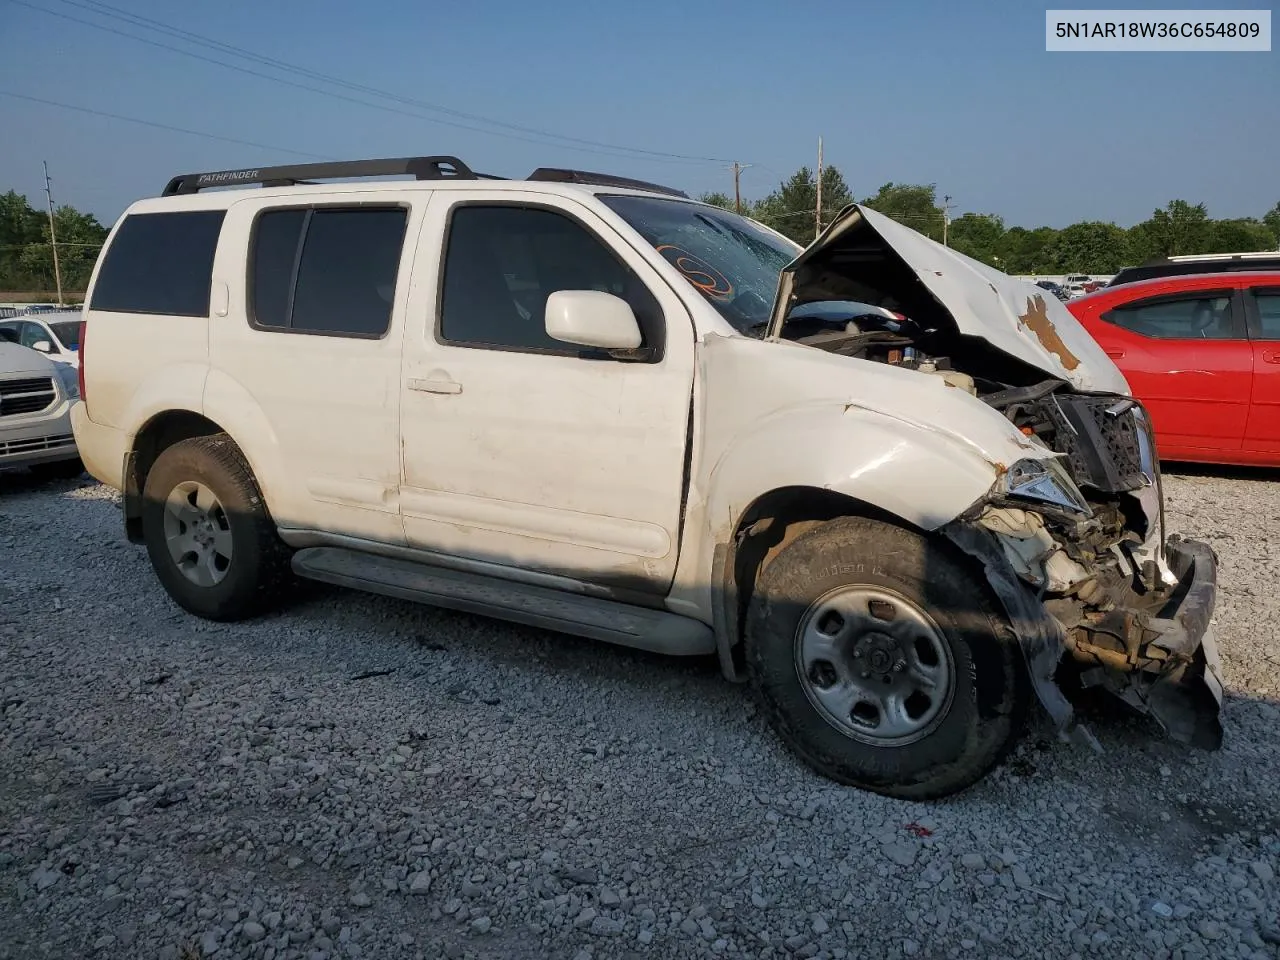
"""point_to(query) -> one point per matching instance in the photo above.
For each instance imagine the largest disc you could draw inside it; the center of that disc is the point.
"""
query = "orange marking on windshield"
(698, 272)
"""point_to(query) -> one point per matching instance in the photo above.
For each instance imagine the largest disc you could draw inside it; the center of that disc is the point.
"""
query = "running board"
(655, 630)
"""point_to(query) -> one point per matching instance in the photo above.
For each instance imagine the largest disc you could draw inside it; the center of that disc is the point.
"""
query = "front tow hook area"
(1185, 695)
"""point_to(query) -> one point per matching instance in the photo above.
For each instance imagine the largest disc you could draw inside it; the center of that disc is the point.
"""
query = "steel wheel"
(874, 665)
(197, 533)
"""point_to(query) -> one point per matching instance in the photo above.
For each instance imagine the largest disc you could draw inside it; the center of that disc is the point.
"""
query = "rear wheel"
(211, 540)
(882, 662)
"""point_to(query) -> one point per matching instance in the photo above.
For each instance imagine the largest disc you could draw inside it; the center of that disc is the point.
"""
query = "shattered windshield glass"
(733, 262)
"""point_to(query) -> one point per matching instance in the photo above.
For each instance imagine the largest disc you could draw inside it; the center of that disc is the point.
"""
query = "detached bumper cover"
(1185, 697)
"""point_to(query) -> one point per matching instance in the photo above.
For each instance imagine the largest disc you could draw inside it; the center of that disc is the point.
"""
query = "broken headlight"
(1044, 481)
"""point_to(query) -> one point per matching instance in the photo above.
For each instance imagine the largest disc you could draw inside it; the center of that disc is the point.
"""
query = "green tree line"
(1100, 247)
(1181, 227)
(26, 254)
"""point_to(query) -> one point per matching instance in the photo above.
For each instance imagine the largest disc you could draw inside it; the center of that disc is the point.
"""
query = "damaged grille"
(1100, 438)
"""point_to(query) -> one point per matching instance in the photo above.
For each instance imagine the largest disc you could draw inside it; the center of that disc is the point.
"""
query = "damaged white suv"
(894, 489)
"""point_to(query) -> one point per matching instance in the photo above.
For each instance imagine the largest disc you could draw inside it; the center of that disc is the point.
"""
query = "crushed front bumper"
(1167, 665)
(1176, 677)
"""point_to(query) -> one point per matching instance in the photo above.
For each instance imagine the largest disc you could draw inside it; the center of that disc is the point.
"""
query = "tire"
(895, 612)
(200, 497)
(58, 469)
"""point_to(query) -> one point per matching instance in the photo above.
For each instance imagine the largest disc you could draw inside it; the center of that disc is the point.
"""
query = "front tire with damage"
(882, 661)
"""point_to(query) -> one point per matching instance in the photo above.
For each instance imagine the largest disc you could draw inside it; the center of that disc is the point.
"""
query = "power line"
(589, 146)
(161, 126)
(107, 10)
(41, 243)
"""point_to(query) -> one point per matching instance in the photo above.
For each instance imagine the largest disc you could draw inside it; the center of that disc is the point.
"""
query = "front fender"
(925, 477)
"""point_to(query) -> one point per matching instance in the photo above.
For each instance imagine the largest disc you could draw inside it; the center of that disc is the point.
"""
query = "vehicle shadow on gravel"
(17, 481)
(1221, 471)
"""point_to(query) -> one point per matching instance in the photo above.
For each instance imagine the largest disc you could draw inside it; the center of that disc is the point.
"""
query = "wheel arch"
(769, 523)
(160, 432)
(817, 463)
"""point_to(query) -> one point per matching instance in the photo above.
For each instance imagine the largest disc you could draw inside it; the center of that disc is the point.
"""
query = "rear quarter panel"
(137, 365)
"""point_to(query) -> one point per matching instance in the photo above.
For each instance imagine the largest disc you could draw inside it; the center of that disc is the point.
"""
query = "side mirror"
(44, 346)
(591, 318)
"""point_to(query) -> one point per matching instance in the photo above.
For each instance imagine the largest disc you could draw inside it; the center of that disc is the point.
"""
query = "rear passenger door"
(1262, 435)
(526, 451)
(1187, 358)
(308, 347)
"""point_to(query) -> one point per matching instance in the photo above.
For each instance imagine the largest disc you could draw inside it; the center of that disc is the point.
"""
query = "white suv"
(585, 403)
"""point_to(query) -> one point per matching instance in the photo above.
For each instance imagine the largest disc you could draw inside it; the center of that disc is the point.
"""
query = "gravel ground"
(360, 777)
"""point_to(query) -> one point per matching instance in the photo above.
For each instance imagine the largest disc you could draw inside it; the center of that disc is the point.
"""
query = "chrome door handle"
(435, 386)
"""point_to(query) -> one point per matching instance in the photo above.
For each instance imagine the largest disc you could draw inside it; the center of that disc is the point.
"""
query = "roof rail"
(1253, 255)
(422, 168)
(558, 175)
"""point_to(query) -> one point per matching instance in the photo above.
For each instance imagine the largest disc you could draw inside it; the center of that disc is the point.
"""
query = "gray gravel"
(359, 777)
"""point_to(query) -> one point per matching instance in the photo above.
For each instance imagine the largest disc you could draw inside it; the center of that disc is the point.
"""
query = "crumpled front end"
(1079, 557)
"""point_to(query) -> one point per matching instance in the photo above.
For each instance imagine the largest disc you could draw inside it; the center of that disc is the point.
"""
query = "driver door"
(524, 451)
(1188, 359)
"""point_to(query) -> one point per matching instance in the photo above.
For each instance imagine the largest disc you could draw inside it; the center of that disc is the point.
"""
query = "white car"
(53, 333)
(35, 413)
(592, 405)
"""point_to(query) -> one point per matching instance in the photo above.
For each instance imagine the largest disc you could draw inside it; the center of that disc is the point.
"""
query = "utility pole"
(817, 217)
(53, 236)
(737, 190)
(946, 217)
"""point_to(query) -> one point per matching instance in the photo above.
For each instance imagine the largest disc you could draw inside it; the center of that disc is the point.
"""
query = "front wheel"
(211, 540)
(882, 662)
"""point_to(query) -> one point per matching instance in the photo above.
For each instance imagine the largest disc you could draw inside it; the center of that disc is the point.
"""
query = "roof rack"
(422, 168)
(558, 175)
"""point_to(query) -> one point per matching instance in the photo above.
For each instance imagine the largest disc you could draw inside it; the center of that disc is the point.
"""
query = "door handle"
(1271, 356)
(1115, 354)
(439, 385)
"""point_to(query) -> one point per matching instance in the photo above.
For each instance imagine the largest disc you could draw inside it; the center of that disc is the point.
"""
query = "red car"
(1202, 352)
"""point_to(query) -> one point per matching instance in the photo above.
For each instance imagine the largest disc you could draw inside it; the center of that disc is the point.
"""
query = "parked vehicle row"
(882, 483)
(53, 333)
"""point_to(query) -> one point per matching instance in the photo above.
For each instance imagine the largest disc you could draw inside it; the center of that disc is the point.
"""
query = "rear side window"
(1268, 314)
(1204, 316)
(326, 270)
(160, 263)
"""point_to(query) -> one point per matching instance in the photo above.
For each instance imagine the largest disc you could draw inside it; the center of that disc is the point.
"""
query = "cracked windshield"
(733, 262)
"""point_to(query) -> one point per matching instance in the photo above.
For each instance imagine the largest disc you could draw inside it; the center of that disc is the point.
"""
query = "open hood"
(865, 256)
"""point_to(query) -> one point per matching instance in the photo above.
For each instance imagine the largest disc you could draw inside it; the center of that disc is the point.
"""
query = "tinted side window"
(326, 269)
(1268, 314)
(1205, 317)
(160, 263)
(275, 254)
(501, 264)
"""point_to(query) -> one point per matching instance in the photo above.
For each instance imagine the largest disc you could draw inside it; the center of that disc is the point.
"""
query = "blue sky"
(959, 94)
